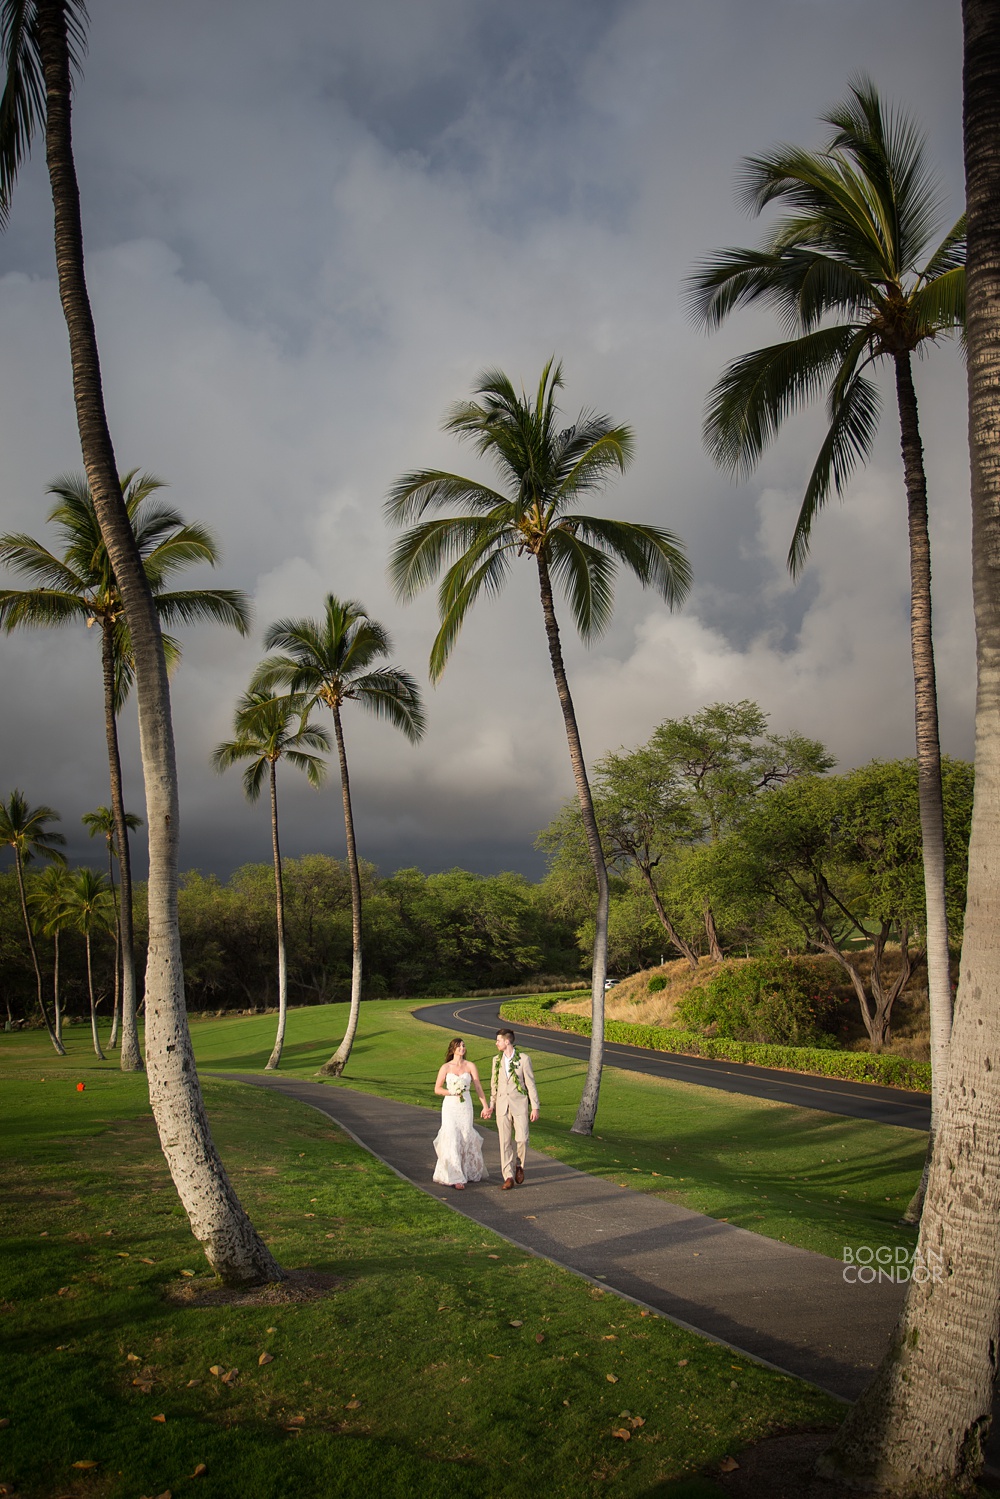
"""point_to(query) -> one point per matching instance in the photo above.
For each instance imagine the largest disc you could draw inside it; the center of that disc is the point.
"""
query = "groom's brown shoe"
(508, 1184)
(519, 1173)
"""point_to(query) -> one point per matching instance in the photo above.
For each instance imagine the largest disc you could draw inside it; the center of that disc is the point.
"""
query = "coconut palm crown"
(544, 470)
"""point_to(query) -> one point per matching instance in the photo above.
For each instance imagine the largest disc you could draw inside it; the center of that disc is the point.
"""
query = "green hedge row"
(860, 1066)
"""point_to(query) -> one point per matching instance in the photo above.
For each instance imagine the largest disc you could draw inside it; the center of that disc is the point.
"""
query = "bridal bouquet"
(458, 1083)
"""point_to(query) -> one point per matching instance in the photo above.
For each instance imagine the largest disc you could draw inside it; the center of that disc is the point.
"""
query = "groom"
(512, 1090)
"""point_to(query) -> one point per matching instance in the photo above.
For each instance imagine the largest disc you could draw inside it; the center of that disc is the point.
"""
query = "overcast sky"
(308, 228)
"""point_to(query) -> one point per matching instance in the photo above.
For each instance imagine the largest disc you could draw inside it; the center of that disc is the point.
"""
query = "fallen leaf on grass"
(493, 1355)
(728, 1465)
(638, 1421)
(200, 1471)
(229, 1378)
(144, 1261)
(87, 1462)
(492, 1256)
(643, 1314)
(296, 1420)
(189, 1273)
(529, 1217)
(133, 1358)
(517, 1324)
(681, 1362)
(329, 1236)
(270, 1329)
(308, 1215)
(192, 1382)
(122, 1254)
(623, 1434)
(160, 1418)
(215, 1369)
(609, 1337)
(539, 1337)
(62, 1290)
(611, 1378)
(353, 1405)
(265, 1358)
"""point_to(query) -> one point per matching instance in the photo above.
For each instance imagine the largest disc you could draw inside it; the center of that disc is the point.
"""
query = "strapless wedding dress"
(458, 1147)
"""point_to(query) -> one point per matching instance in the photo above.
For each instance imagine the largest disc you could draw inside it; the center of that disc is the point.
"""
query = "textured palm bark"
(928, 740)
(93, 1008)
(919, 1427)
(335, 1066)
(56, 1042)
(684, 948)
(583, 1124)
(233, 1247)
(279, 906)
(130, 1057)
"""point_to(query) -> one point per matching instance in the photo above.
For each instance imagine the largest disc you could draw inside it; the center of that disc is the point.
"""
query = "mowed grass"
(448, 1363)
(821, 1181)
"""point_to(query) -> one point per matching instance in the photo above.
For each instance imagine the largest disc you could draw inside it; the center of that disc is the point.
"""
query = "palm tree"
(42, 42)
(103, 822)
(47, 899)
(79, 584)
(90, 910)
(264, 735)
(24, 829)
(544, 470)
(331, 661)
(855, 248)
(922, 1424)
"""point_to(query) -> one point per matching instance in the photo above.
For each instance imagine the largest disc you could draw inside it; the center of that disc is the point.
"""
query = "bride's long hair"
(453, 1045)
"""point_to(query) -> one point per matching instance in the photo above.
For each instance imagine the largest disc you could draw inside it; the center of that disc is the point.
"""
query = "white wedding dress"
(459, 1147)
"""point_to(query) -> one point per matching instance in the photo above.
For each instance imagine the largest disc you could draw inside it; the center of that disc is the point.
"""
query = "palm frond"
(460, 587)
(420, 553)
(391, 694)
(226, 606)
(585, 455)
(654, 556)
(848, 441)
(586, 576)
(757, 391)
(939, 305)
(950, 253)
(22, 105)
(429, 489)
(25, 555)
(39, 606)
(312, 766)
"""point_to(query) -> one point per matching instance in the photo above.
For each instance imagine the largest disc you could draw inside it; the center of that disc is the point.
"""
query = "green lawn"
(413, 1378)
(821, 1181)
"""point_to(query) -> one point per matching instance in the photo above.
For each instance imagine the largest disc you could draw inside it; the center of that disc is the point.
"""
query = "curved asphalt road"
(833, 1095)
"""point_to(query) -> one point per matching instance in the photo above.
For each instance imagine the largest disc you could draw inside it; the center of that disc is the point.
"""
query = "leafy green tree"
(90, 909)
(840, 856)
(331, 661)
(723, 757)
(922, 1424)
(544, 471)
(853, 272)
(25, 830)
(79, 585)
(41, 43)
(102, 823)
(269, 729)
(47, 897)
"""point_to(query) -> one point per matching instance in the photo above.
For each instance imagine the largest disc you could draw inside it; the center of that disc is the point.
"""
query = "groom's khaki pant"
(512, 1119)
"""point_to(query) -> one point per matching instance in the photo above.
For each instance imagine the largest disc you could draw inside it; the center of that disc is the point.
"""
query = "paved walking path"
(786, 1306)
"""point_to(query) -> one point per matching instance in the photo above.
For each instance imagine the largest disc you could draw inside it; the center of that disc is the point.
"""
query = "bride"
(459, 1147)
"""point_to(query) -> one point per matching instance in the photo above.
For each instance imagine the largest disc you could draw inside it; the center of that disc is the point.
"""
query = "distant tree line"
(438, 934)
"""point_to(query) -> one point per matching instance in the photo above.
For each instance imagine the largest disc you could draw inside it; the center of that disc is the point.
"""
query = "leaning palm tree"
(264, 735)
(91, 910)
(332, 661)
(544, 470)
(853, 274)
(47, 899)
(78, 584)
(103, 823)
(41, 44)
(25, 830)
(922, 1425)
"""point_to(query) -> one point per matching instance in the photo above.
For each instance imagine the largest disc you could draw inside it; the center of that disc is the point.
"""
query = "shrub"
(762, 999)
(656, 983)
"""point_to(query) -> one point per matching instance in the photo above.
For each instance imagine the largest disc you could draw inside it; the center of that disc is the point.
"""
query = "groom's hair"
(507, 1035)
(453, 1045)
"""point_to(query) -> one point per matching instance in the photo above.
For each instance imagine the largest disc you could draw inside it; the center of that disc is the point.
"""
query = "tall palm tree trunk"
(93, 1007)
(113, 1038)
(234, 1249)
(920, 1425)
(928, 753)
(583, 1124)
(56, 1042)
(56, 1007)
(279, 907)
(130, 1056)
(335, 1066)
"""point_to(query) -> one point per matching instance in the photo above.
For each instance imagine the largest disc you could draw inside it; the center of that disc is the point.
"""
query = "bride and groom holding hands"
(514, 1098)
